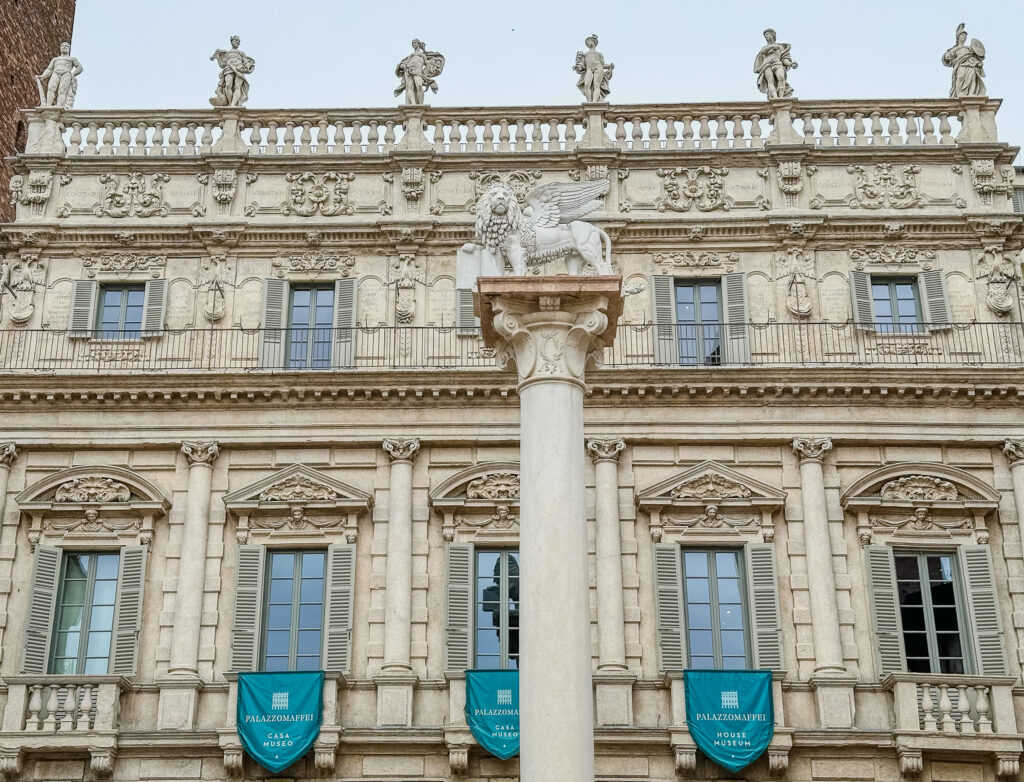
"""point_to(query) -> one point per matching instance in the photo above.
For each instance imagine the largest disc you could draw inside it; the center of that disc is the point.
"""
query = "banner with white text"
(492, 710)
(730, 715)
(279, 715)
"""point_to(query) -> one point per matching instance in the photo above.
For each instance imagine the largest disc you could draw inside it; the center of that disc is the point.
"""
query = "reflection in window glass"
(896, 306)
(311, 323)
(294, 611)
(85, 613)
(120, 311)
(698, 315)
(716, 626)
(497, 609)
(928, 597)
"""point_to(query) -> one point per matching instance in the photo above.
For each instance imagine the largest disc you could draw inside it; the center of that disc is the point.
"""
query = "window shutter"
(860, 297)
(131, 580)
(344, 322)
(153, 307)
(273, 322)
(668, 606)
(467, 324)
(990, 653)
(341, 568)
(83, 308)
(663, 316)
(885, 609)
(42, 603)
(763, 589)
(248, 602)
(736, 345)
(458, 629)
(1018, 200)
(934, 299)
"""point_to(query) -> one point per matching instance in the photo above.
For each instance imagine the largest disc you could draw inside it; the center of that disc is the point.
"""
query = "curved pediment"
(486, 483)
(297, 484)
(710, 482)
(920, 483)
(94, 485)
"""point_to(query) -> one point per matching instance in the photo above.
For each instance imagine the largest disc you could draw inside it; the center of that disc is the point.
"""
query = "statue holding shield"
(968, 64)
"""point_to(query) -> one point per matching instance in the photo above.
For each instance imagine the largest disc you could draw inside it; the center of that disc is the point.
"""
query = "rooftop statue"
(417, 72)
(968, 64)
(772, 67)
(59, 82)
(233, 87)
(594, 73)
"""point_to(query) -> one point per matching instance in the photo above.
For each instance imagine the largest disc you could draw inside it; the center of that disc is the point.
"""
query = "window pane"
(913, 618)
(487, 564)
(311, 616)
(74, 593)
(697, 590)
(279, 617)
(104, 593)
(488, 662)
(106, 566)
(951, 666)
(702, 662)
(487, 642)
(276, 664)
(281, 565)
(102, 618)
(946, 620)
(309, 642)
(66, 645)
(696, 563)
(312, 590)
(313, 565)
(65, 666)
(278, 642)
(699, 615)
(906, 568)
(732, 642)
(734, 663)
(916, 644)
(96, 665)
(730, 617)
(307, 663)
(281, 591)
(99, 644)
(700, 642)
(949, 644)
(71, 618)
(725, 564)
(729, 590)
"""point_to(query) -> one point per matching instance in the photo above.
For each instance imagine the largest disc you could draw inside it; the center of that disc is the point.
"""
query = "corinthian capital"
(200, 451)
(605, 450)
(812, 448)
(1013, 449)
(402, 449)
(8, 453)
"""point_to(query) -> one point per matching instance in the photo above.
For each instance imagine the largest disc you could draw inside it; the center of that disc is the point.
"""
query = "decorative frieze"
(711, 518)
(667, 263)
(700, 188)
(884, 188)
(92, 523)
(315, 263)
(502, 518)
(125, 263)
(296, 520)
(133, 195)
(318, 194)
(92, 489)
(922, 521)
(894, 255)
(298, 488)
(710, 485)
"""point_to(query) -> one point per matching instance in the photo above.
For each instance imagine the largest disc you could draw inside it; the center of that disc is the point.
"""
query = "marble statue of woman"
(417, 72)
(594, 73)
(60, 79)
(232, 87)
(967, 62)
(772, 66)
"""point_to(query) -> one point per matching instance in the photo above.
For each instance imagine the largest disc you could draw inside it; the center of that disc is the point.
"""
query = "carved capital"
(812, 448)
(234, 761)
(401, 449)
(325, 758)
(605, 450)
(8, 453)
(778, 762)
(911, 763)
(1007, 765)
(1014, 451)
(458, 759)
(10, 764)
(200, 452)
(686, 761)
(101, 762)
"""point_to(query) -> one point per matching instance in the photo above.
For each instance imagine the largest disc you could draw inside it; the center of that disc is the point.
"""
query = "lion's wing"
(563, 202)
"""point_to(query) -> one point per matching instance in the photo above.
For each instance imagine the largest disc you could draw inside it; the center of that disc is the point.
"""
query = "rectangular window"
(293, 635)
(85, 613)
(497, 609)
(698, 319)
(120, 311)
(933, 633)
(715, 609)
(311, 326)
(896, 305)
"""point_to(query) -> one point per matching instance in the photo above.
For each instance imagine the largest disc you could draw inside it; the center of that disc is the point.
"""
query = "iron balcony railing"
(447, 347)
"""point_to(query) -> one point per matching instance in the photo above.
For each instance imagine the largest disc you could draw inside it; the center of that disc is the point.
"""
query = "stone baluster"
(84, 708)
(68, 707)
(946, 723)
(50, 702)
(927, 708)
(963, 704)
(35, 705)
(983, 707)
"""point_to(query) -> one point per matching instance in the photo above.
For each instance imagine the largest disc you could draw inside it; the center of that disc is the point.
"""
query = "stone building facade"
(235, 341)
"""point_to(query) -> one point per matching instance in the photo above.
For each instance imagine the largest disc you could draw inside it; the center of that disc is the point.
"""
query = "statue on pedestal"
(417, 72)
(968, 64)
(235, 65)
(594, 73)
(60, 79)
(772, 65)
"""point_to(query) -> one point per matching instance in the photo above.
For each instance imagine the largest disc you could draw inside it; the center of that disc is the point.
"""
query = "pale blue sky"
(341, 54)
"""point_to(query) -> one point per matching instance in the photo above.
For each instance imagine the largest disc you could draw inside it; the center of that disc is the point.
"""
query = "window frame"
(700, 337)
(716, 629)
(895, 325)
(504, 628)
(293, 628)
(309, 359)
(88, 605)
(121, 332)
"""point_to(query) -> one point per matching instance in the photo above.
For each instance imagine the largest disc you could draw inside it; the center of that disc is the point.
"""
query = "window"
(311, 322)
(715, 610)
(294, 610)
(120, 311)
(497, 609)
(85, 613)
(930, 611)
(699, 315)
(896, 304)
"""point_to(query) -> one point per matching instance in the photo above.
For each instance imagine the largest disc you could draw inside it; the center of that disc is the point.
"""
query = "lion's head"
(498, 214)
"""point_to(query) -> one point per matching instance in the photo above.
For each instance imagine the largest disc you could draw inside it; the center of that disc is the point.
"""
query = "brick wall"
(32, 33)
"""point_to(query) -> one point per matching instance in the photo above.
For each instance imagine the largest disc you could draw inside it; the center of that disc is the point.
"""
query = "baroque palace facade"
(252, 425)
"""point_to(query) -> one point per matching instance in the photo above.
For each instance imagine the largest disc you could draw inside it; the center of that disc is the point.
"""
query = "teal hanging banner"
(730, 715)
(492, 710)
(279, 715)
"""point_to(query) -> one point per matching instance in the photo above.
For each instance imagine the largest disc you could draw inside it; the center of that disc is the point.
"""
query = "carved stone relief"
(33, 190)
(223, 181)
(701, 188)
(710, 485)
(496, 486)
(502, 518)
(215, 274)
(91, 522)
(791, 181)
(796, 267)
(687, 259)
(92, 489)
(919, 487)
(406, 273)
(1000, 271)
(519, 182)
(132, 197)
(589, 174)
(297, 520)
(298, 488)
(985, 181)
(124, 264)
(884, 188)
(315, 263)
(324, 194)
(20, 278)
(921, 521)
(710, 519)
(894, 255)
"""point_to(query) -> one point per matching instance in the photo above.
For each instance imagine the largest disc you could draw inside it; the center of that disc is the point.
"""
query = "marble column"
(832, 683)
(613, 684)
(396, 680)
(8, 533)
(550, 329)
(179, 690)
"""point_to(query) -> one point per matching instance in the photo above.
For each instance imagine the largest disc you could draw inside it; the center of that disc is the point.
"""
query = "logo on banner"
(492, 710)
(729, 714)
(279, 715)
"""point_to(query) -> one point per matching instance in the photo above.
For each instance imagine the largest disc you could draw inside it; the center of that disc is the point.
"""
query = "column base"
(833, 696)
(613, 694)
(179, 702)
(394, 698)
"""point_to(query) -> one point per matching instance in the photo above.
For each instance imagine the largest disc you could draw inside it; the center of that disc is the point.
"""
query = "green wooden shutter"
(763, 589)
(1018, 200)
(41, 607)
(154, 306)
(83, 308)
(341, 569)
(934, 299)
(274, 321)
(467, 324)
(458, 628)
(736, 340)
(668, 606)
(663, 316)
(990, 651)
(245, 628)
(885, 609)
(860, 298)
(345, 322)
(131, 580)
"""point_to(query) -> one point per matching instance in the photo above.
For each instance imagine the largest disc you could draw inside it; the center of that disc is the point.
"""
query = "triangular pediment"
(709, 482)
(297, 484)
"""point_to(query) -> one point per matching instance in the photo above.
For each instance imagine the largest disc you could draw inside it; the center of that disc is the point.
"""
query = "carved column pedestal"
(551, 328)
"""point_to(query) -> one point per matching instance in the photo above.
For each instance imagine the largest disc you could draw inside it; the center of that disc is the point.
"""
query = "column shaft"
(398, 594)
(610, 621)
